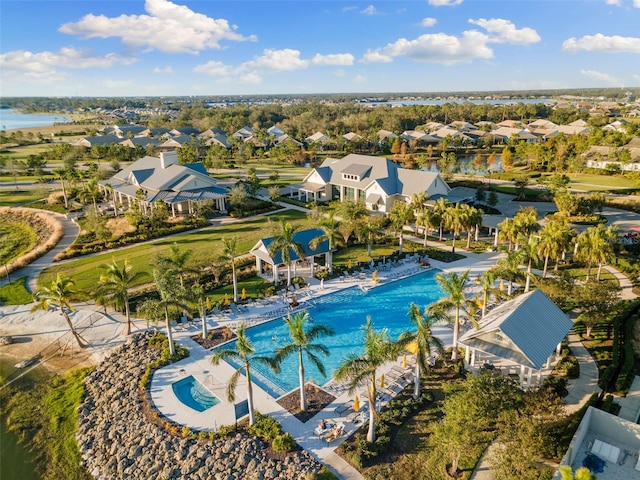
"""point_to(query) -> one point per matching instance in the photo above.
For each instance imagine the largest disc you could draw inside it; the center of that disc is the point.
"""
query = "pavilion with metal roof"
(304, 238)
(523, 333)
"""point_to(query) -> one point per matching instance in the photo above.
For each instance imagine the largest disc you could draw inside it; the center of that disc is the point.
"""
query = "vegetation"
(15, 293)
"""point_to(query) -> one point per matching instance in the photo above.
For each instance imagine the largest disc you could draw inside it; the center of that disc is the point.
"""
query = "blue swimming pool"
(346, 312)
(193, 394)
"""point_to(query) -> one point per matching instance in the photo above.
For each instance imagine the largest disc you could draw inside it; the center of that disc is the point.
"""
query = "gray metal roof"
(532, 323)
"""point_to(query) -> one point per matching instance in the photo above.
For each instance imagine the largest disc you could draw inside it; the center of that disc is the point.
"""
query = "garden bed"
(215, 337)
(317, 400)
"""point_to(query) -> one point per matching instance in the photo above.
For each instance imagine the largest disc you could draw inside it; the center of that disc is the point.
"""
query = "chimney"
(168, 158)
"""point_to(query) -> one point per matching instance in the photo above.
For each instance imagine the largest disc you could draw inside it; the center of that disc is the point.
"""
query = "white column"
(539, 377)
(473, 357)
(173, 210)
(467, 353)
(558, 349)
(259, 265)
(312, 265)
(522, 367)
(548, 364)
(529, 379)
(275, 273)
(295, 269)
(495, 241)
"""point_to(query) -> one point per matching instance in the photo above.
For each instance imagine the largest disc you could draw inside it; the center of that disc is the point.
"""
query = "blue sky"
(211, 47)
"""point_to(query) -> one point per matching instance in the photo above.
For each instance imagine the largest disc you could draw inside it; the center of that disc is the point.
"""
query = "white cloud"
(66, 57)
(604, 77)
(169, 28)
(359, 79)
(349, 8)
(602, 43)
(636, 3)
(444, 3)
(370, 10)
(251, 78)
(505, 31)
(166, 69)
(614, 2)
(428, 22)
(376, 56)
(333, 59)
(215, 68)
(285, 60)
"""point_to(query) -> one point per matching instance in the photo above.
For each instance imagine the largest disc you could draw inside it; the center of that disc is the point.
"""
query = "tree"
(506, 158)
(487, 283)
(176, 263)
(400, 215)
(303, 342)
(595, 245)
(596, 301)
(555, 239)
(61, 174)
(330, 227)
(368, 230)
(171, 300)
(455, 218)
(423, 341)
(115, 283)
(508, 268)
(455, 299)
(526, 222)
(473, 222)
(428, 219)
(361, 369)
(529, 254)
(509, 232)
(285, 243)
(230, 252)
(245, 353)
(59, 294)
(439, 209)
(200, 298)
(238, 198)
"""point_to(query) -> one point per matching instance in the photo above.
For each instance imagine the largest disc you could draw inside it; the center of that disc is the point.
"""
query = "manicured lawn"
(15, 293)
(205, 244)
(254, 286)
(21, 197)
(584, 180)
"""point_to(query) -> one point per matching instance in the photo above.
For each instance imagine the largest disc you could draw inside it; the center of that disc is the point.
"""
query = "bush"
(265, 427)
(284, 443)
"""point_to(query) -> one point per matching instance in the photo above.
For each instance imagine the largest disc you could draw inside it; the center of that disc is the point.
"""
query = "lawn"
(205, 244)
(586, 181)
(15, 293)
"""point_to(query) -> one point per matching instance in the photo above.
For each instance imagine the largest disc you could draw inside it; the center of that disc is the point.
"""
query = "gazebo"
(521, 334)
(304, 238)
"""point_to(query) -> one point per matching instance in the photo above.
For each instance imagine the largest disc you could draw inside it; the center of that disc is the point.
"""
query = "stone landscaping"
(117, 439)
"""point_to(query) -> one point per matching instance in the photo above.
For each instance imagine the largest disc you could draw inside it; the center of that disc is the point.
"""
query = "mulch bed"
(317, 400)
(215, 337)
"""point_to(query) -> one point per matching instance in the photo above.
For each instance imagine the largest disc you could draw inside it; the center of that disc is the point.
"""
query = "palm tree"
(284, 243)
(302, 341)
(473, 220)
(198, 294)
(555, 238)
(487, 281)
(245, 353)
(453, 286)
(330, 227)
(115, 283)
(400, 215)
(424, 342)
(171, 301)
(508, 269)
(58, 294)
(427, 218)
(508, 231)
(230, 252)
(595, 245)
(368, 230)
(176, 263)
(529, 254)
(417, 204)
(455, 219)
(61, 173)
(439, 209)
(358, 369)
(526, 222)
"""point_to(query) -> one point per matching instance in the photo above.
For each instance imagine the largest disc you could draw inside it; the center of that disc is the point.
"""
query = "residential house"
(96, 140)
(385, 135)
(184, 131)
(376, 181)
(317, 137)
(151, 179)
(275, 131)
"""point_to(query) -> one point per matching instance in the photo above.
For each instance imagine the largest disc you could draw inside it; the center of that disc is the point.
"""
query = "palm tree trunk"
(172, 348)
(485, 299)
(426, 233)
(416, 382)
(252, 418)
(303, 393)
(127, 312)
(456, 333)
(235, 282)
(369, 248)
(75, 334)
(288, 274)
(527, 283)
(440, 238)
(599, 271)
(468, 240)
(203, 316)
(400, 243)
(546, 263)
(371, 434)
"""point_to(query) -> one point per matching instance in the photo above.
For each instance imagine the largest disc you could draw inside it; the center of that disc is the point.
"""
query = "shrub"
(284, 443)
(265, 427)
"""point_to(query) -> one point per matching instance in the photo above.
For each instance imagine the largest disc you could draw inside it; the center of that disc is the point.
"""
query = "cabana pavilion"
(304, 238)
(520, 335)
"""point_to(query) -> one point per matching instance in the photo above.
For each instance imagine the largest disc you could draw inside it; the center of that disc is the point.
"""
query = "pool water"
(346, 312)
(193, 394)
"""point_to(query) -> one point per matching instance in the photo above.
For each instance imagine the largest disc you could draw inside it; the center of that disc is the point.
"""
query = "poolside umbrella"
(382, 381)
(502, 285)
(349, 264)
(404, 361)
(208, 304)
(356, 403)
(243, 296)
(226, 299)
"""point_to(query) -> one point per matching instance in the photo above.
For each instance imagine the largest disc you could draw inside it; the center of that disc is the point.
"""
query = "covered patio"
(521, 337)
(264, 260)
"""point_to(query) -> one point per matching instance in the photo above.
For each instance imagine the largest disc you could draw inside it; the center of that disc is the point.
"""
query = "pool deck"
(215, 377)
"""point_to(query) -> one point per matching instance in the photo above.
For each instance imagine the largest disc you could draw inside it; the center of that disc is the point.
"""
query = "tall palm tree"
(424, 341)
(487, 284)
(509, 232)
(284, 243)
(417, 204)
(529, 253)
(358, 369)
(455, 218)
(176, 263)
(330, 227)
(170, 302)
(555, 238)
(368, 230)
(508, 268)
(400, 215)
(230, 252)
(200, 299)
(427, 219)
(245, 353)
(526, 222)
(61, 173)
(595, 245)
(473, 221)
(455, 299)
(115, 283)
(303, 340)
(439, 209)
(59, 293)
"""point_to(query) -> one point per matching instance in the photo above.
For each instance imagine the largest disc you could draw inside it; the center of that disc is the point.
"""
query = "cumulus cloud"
(602, 43)
(428, 22)
(215, 68)
(271, 60)
(613, 2)
(636, 3)
(604, 77)
(168, 27)
(166, 69)
(333, 59)
(370, 10)
(67, 57)
(504, 31)
(444, 3)
(376, 56)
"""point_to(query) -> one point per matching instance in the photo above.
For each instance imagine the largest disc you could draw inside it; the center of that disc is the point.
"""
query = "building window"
(348, 176)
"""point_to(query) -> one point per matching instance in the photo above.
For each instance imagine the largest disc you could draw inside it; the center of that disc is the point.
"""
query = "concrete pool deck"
(215, 377)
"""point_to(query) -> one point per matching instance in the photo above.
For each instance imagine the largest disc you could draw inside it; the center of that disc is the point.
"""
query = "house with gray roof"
(523, 335)
(376, 181)
(96, 140)
(151, 179)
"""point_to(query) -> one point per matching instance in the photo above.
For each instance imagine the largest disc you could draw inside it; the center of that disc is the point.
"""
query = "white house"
(376, 181)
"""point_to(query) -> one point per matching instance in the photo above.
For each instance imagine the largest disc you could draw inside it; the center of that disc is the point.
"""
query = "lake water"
(16, 462)
(11, 119)
(460, 101)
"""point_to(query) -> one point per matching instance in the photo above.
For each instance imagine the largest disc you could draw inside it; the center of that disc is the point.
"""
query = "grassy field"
(15, 293)
(585, 181)
(205, 244)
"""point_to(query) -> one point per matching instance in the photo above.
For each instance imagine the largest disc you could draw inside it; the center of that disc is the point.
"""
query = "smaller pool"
(193, 394)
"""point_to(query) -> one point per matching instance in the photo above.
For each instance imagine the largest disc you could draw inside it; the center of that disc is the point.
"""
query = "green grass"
(20, 197)
(584, 180)
(254, 287)
(204, 244)
(18, 238)
(15, 293)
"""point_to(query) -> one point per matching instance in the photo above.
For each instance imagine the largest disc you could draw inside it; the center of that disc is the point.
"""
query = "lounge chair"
(340, 410)
(336, 432)
(234, 308)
